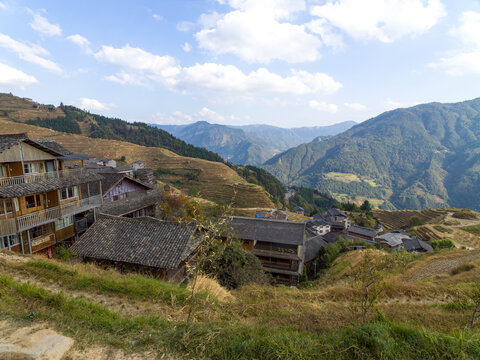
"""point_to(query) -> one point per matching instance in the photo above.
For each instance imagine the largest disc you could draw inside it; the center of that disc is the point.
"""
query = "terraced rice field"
(396, 219)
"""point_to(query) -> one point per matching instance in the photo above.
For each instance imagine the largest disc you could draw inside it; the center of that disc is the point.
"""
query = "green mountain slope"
(424, 156)
(249, 144)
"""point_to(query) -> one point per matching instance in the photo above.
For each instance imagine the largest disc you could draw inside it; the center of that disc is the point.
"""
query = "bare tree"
(475, 297)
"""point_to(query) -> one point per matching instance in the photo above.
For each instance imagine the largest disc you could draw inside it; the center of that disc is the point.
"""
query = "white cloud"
(140, 67)
(204, 114)
(43, 26)
(93, 104)
(323, 106)
(79, 40)
(384, 20)
(259, 31)
(356, 106)
(327, 34)
(157, 17)
(186, 47)
(185, 26)
(469, 30)
(30, 53)
(467, 60)
(12, 77)
(2, 6)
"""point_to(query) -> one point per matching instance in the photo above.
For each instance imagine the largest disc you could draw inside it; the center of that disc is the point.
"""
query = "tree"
(474, 295)
(366, 206)
(368, 278)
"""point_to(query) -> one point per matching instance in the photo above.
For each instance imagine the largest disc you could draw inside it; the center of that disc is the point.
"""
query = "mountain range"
(418, 157)
(249, 144)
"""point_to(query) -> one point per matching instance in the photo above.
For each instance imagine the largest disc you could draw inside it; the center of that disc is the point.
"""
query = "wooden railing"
(24, 222)
(40, 177)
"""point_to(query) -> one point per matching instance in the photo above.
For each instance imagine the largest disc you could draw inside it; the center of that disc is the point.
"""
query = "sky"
(287, 63)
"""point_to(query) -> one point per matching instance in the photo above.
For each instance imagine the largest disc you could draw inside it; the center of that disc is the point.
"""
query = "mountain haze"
(249, 144)
(424, 156)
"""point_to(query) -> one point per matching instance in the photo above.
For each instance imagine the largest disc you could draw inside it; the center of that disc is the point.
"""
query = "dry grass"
(212, 287)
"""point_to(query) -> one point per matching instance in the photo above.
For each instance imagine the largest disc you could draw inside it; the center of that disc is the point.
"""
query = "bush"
(465, 214)
(328, 254)
(442, 244)
(233, 266)
(462, 268)
(414, 221)
(62, 253)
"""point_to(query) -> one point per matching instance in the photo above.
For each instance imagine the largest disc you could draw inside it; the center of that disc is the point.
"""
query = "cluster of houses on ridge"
(49, 196)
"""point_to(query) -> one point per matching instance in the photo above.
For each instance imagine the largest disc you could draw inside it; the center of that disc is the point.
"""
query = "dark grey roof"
(72, 157)
(416, 245)
(360, 230)
(124, 168)
(112, 179)
(128, 205)
(11, 191)
(53, 145)
(336, 212)
(142, 241)
(298, 208)
(312, 247)
(9, 140)
(269, 230)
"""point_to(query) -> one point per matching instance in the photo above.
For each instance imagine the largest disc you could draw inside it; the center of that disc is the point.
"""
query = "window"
(64, 222)
(3, 172)
(33, 168)
(119, 197)
(69, 193)
(9, 239)
(7, 205)
(38, 231)
(33, 201)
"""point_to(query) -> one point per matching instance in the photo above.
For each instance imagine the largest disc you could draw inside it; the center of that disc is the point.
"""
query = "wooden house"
(126, 196)
(40, 201)
(149, 245)
(362, 232)
(278, 244)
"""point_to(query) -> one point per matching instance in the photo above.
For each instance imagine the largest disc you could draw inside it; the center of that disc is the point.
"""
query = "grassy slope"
(216, 181)
(420, 312)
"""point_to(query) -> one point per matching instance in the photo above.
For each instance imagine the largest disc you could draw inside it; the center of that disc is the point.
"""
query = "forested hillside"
(424, 156)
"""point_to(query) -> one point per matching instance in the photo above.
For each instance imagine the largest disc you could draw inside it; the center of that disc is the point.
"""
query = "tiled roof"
(142, 241)
(269, 230)
(312, 247)
(128, 205)
(360, 230)
(416, 244)
(112, 179)
(392, 238)
(11, 191)
(53, 145)
(9, 140)
(336, 212)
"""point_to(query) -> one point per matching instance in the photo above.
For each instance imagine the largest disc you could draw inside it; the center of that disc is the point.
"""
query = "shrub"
(462, 268)
(328, 254)
(464, 214)
(233, 266)
(442, 244)
(62, 253)
(414, 221)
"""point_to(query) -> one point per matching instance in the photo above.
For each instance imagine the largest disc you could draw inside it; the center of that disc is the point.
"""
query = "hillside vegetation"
(249, 144)
(415, 158)
(420, 313)
(213, 180)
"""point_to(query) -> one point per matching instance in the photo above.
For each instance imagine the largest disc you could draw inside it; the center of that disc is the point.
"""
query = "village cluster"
(107, 214)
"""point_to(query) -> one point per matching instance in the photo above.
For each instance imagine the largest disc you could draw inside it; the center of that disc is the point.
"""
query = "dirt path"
(441, 266)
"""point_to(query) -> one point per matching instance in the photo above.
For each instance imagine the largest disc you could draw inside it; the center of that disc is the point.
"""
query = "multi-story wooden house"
(278, 244)
(126, 196)
(40, 201)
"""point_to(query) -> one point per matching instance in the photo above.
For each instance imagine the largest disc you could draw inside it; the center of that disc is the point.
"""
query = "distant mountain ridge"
(249, 144)
(419, 157)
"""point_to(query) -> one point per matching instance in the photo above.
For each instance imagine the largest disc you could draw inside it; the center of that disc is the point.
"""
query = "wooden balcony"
(40, 177)
(24, 222)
